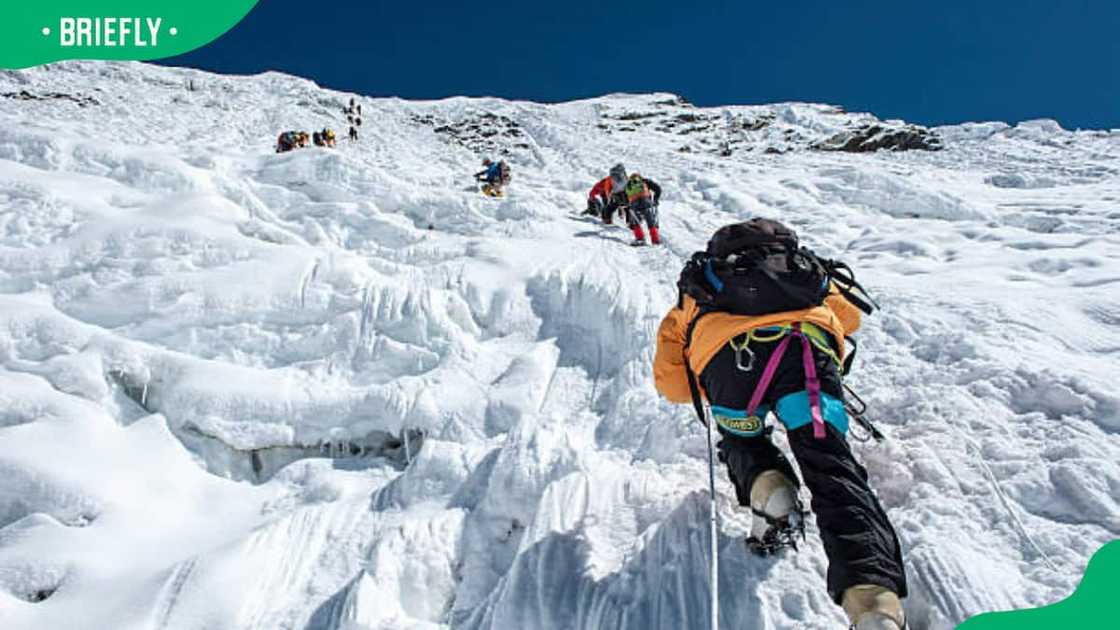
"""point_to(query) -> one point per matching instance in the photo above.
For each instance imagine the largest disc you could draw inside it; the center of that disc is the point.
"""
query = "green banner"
(41, 31)
(1090, 606)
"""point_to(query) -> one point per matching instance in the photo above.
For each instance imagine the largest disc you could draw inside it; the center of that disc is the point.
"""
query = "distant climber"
(760, 326)
(353, 133)
(608, 195)
(494, 177)
(642, 199)
(302, 139)
(327, 137)
(287, 141)
(317, 139)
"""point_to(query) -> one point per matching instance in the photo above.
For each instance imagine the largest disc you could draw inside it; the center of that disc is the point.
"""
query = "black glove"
(693, 282)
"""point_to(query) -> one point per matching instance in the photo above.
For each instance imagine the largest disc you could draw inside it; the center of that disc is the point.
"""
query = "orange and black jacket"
(837, 316)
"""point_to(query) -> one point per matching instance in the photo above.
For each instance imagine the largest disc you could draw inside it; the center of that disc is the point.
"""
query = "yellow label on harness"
(751, 424)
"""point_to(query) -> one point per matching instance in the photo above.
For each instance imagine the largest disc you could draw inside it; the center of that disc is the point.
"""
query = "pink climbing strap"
(767, 376)
(812, 383)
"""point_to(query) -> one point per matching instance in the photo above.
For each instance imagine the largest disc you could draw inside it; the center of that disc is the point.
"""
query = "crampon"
(780, 533)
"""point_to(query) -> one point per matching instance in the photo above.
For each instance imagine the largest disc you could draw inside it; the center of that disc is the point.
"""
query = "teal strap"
(794, 412)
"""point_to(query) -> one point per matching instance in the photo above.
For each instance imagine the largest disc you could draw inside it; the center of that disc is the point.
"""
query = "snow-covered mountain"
(341, 389)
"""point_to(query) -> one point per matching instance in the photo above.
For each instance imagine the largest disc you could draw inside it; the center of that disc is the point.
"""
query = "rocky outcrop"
(482, 132)
(24, 95)
(878, 137)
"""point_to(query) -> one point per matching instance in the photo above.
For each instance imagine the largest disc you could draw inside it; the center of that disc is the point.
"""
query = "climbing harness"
(812, 383)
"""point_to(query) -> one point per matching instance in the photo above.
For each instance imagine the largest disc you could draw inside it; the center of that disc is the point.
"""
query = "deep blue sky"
(930, 62)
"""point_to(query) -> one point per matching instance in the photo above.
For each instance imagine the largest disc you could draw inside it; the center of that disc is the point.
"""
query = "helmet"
(486, 162)
(634, 177)
(618, 176)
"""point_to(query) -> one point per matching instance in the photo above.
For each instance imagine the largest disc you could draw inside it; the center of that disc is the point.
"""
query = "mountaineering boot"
(873, 607)
(654, 236)
(777, 516)
(639, 236)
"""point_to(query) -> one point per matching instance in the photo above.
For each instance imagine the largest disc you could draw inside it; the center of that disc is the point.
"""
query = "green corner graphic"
(33, 33)
(1089, 606)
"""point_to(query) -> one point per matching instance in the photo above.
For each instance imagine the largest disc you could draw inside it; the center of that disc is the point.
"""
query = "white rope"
(713, 521)
(978, 453)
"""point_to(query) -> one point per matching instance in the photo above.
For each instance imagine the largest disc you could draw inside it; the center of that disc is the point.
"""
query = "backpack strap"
(848, 360)
(844, 279)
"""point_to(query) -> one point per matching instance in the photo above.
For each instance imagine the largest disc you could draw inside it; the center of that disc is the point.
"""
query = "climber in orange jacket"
(760, 327)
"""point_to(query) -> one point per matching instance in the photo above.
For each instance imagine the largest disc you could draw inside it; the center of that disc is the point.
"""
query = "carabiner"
(739, 350)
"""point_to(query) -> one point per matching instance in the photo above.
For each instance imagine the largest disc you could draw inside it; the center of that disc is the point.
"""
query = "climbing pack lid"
(758, 267)
(758, 232)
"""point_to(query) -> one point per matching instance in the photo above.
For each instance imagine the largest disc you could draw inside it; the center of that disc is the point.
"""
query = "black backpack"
(758, 267)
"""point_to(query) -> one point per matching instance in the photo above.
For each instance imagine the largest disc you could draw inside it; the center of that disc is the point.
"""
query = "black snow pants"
(858, 538)
(641, 210)
(616, 201)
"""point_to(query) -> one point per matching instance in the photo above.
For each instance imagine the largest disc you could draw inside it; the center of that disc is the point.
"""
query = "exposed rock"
(756, 124)
(24, 95)
(877, 137)
(481, 132)
(637, 115)
(694, 129)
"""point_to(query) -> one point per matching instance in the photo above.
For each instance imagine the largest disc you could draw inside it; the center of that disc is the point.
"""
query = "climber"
(760, 326)
(608, 195)
(286, 141)
(494, 177)
(642, 199)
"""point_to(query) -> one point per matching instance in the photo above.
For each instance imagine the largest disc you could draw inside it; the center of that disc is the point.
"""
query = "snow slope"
(341, 389)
